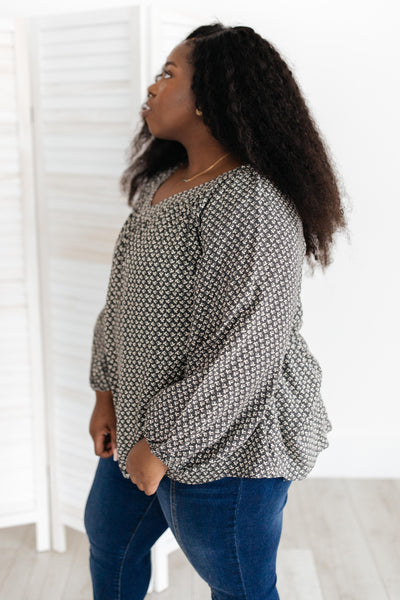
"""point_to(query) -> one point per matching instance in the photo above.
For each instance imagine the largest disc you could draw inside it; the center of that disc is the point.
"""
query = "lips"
(146, 105)
(146, 108)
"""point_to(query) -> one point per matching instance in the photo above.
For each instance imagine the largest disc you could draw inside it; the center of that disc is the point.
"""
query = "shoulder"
(250, 198)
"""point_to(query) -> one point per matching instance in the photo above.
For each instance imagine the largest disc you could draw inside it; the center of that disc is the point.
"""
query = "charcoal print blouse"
(199, 338)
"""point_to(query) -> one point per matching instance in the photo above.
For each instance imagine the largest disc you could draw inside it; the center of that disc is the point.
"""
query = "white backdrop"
(345, 56)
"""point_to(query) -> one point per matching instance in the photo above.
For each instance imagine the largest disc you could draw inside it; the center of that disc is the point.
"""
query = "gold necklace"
(205, 170)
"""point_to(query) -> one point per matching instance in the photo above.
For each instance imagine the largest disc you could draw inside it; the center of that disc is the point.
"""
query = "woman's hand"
(145, 469)
(102, 426)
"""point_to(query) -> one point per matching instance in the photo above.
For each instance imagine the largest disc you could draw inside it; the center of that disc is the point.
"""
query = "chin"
(161, 134)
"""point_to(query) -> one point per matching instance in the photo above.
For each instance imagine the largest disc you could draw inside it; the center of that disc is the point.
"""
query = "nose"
(151, 90)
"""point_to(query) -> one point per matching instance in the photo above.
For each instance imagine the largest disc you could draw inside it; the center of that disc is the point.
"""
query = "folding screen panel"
(85, 74)
(23, 466)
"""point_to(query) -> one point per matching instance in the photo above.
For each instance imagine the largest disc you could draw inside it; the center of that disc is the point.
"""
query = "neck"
(201, 156)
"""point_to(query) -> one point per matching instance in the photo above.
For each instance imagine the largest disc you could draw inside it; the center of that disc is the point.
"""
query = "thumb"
(100, 442)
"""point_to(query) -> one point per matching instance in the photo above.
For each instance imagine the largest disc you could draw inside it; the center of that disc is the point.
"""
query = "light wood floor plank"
(11, 540)
(52, 575)
(345, 566)
(377, 505)
(297, 577)
(15, 584)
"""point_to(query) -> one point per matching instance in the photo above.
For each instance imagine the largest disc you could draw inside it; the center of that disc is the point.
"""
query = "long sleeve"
(245, 294)
(99, 376)
(100, 373)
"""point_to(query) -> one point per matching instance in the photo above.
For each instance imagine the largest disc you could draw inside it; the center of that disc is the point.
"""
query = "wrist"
(104, 397)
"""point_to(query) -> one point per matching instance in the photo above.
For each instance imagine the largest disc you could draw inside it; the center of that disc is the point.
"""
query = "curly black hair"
(253, 106)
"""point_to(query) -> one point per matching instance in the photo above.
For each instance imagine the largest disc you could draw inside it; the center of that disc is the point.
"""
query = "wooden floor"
(340, 541)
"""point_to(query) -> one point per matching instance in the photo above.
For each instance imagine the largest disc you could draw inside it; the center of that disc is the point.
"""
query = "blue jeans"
(229, 529)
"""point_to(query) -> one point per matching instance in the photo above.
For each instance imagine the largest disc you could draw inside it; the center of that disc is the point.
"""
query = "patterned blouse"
(199, 338)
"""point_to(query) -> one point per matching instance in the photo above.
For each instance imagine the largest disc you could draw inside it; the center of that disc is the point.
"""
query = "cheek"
(177, 97)
(174, 114)
(179, 112)
(182, 103)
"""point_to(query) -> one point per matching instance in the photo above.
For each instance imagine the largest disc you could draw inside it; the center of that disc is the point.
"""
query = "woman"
(206, 392)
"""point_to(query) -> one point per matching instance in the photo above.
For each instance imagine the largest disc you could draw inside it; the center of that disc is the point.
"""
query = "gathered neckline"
(163, 175)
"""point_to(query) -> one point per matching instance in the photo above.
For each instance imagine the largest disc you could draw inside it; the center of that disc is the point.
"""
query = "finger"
(104, 454)
(139, 486)
(132, 478)
(148, 487)
(101, 446)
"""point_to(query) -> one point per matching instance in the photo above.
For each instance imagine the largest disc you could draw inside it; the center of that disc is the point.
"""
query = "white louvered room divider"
(23, 466)
(83, 69)
(88, 77)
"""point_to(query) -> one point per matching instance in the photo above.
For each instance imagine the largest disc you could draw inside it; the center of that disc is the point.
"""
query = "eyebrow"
(169, 63)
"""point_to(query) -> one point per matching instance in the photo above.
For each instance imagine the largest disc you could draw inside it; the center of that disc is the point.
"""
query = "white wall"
(345, 56)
